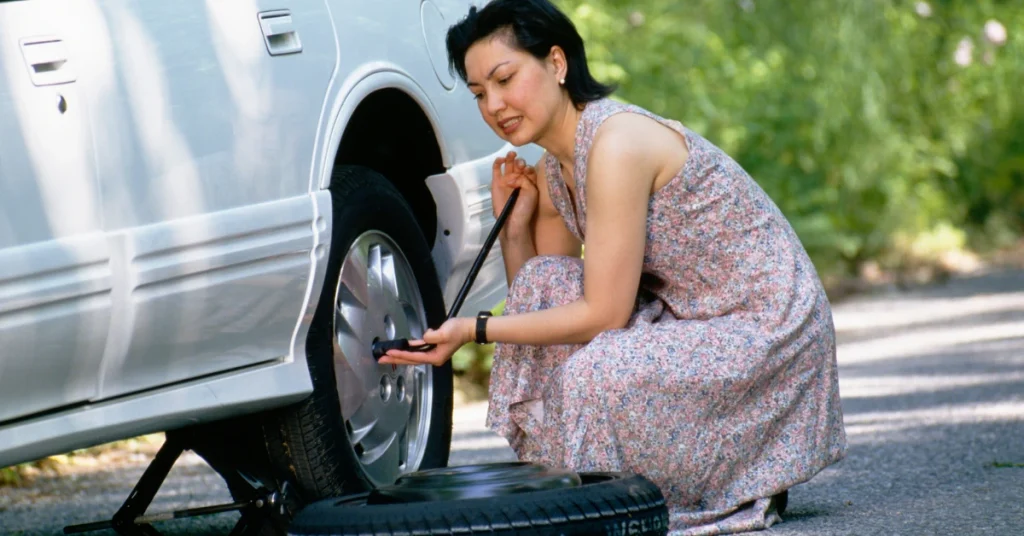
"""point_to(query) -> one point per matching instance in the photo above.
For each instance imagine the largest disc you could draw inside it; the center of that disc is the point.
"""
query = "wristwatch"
(481, 326)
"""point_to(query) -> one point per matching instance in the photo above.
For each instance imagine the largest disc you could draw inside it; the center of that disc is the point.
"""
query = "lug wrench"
(379, 348)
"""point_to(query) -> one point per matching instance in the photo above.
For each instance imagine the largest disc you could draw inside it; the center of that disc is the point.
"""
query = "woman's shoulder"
(597, 112)
(625, 115)
(606, 107)
(619, 125)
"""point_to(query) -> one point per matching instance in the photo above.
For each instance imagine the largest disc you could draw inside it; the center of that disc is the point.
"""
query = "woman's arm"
(620, 175)
(546, 235)
(622, 170)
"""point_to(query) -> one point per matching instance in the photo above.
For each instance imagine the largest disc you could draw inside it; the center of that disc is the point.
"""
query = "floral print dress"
(723, 387)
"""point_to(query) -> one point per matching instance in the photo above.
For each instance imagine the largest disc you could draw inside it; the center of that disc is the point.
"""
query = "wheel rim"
(385, 408)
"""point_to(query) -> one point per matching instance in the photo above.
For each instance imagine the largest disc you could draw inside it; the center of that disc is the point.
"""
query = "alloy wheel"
(386, 408)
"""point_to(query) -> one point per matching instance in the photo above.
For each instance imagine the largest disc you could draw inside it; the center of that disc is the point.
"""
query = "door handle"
(279, 32)
(47, 61)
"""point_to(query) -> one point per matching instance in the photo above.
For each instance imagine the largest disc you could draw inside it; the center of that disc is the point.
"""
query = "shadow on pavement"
(935, 421)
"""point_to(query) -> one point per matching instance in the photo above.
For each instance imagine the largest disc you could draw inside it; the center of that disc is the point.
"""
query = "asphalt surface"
(932, 382)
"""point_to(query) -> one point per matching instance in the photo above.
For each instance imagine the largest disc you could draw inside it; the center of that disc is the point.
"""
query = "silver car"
(209, 210)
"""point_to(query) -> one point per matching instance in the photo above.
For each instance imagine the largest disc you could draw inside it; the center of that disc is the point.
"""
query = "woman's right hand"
(508, 174)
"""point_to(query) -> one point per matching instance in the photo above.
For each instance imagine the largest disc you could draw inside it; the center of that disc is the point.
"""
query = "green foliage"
(474, 360)
(10, 476)
(852, 114)
(17, 475)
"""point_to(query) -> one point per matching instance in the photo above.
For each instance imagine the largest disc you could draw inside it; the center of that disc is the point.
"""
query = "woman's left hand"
(448, 339)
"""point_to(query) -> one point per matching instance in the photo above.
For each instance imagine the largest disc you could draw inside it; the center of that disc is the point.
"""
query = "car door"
(210, 112)
(55, 275)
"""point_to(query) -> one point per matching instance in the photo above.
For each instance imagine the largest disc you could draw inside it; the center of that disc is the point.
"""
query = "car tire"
(497, 499)
(314, 445)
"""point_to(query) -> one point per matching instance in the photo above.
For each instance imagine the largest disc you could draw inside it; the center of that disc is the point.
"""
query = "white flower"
(995, 32)
(636, 19)
(964, 54)
(923, 9)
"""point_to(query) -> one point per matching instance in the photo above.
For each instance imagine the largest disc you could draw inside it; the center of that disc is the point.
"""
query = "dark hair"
(533, 26)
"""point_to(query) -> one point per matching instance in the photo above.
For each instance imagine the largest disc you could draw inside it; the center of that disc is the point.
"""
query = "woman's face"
(517, 94)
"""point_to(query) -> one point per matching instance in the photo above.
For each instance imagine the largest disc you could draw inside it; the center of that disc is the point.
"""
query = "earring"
(561, 82)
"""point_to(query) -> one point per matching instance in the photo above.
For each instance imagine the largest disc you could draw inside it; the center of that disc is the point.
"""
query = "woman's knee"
(544, 282)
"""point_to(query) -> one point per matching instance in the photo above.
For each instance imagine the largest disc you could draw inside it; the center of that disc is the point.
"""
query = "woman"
(718, 379)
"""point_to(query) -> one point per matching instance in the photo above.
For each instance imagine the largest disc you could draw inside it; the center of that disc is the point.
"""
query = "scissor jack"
(131, 518)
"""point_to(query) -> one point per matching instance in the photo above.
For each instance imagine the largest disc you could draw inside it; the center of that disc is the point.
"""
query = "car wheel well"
(390, 134)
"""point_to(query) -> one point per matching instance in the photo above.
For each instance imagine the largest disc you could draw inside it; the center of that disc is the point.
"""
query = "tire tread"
(589, 509)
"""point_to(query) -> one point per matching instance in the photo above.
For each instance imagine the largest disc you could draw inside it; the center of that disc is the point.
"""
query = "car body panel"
(203, 158)
(55, 280)
(203, 399)
(208, 256)
(224, 297)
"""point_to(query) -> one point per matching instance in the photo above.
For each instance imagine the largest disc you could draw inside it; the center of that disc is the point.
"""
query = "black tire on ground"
(307, 443)
(601, 503)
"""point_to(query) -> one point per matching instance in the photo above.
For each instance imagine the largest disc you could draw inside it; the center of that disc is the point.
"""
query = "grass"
(12, 476)
(1006, 465)
(17, 475)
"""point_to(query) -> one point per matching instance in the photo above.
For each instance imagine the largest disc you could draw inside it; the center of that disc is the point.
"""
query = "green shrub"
(854, 115)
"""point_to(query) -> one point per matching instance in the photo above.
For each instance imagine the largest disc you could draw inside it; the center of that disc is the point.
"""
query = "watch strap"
(481, 326)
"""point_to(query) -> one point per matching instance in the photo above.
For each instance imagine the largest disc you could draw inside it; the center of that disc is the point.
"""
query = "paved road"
(932, 382)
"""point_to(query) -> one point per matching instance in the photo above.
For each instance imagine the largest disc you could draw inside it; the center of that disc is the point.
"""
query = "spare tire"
(502, 498)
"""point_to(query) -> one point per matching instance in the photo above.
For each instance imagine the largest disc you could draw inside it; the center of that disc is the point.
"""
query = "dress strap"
(559, 193)
(594, 115)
